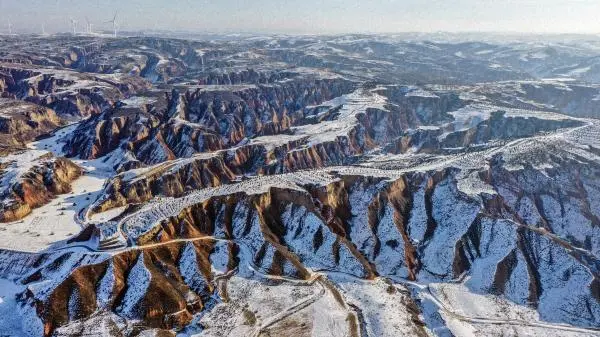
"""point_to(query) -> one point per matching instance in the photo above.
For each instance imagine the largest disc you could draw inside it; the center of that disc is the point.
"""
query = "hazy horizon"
(309, 16)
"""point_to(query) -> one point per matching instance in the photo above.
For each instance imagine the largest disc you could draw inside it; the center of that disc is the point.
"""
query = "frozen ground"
(53, 223)
(444, 210)
(259, 307)
(352, 104)
(10, 323)
(452, 307)
(386, 309)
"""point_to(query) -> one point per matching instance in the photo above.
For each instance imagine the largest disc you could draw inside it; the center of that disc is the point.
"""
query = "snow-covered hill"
(311, 186)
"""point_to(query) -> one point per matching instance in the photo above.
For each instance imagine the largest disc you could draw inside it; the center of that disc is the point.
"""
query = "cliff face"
(31, 185)
(305, 148)
(265, 110)
(570, 98)
(498, 128)
(173, 179)
(70, 94)
(497, 212)
(423, 107)
(179, 125)
(21, 123)
(268, 155)
(287, 186)
(129, 284)
(420, 226)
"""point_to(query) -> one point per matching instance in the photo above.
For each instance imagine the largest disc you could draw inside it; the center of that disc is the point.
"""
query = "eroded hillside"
(310, 187)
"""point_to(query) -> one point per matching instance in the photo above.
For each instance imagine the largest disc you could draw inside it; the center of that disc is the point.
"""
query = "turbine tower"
(10, 27)
(114, 23)
(89, 26)
(74, 26)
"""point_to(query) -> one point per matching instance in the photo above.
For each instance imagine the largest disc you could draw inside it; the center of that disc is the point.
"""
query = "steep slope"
(30, 180)
(21, 123)
(298, 186)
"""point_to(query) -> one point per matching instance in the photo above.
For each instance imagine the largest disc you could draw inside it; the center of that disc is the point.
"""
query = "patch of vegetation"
(249, 317)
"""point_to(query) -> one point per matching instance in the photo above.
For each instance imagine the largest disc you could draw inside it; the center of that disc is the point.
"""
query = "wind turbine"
(89, 25)
(114, 23)
(74, 25)
(10, 27)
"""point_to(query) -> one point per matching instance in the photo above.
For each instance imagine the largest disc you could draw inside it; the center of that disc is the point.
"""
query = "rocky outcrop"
(423, 107)
(498, 127)
(419, 226)
(128, 284)
(173, 179)
(373, 128)
(246, 76)
(358, 226)
(22, 122)
(70, 94)
(242, 172)
(35, 187)
(181, 124)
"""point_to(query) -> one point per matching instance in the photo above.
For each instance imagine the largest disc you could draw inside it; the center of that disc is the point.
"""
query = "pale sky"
(309, 16)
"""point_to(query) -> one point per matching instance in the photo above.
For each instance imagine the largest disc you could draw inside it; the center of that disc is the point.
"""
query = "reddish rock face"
(359, 225)
(58, 89)
(37, 187)
(297, 175)
(22, 122)
(110, 285)
(180, 124)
